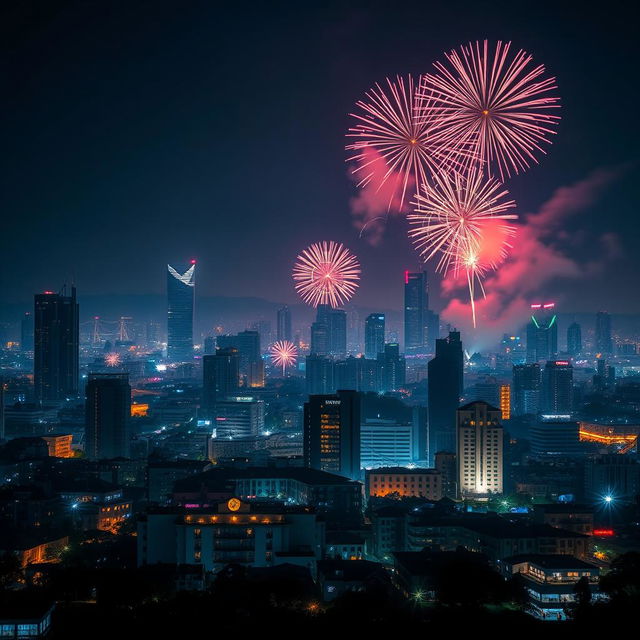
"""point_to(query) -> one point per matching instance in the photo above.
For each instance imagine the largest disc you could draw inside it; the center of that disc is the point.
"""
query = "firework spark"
(326, 273)
(495, 102)
(460, 221)
(392, 140)
(112, 359)
(283, 354)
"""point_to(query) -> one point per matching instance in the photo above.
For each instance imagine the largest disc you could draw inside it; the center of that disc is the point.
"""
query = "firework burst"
(497, 103)
(392, 142)
(283, 354)
(461, 222)
(326, 273)
(112, 359)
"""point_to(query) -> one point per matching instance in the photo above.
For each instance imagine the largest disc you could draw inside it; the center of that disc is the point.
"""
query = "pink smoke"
(379, 198)
(537, 258)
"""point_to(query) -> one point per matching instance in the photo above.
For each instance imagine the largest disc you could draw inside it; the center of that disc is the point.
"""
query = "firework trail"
(461, 222)
(326, 273)
(496, 102)
(112, 359)
(283, 354)
(392, 140)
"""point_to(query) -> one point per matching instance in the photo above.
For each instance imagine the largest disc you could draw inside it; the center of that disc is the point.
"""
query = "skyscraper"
(248, 345)
(220, 377)
(393, 367)
(479, 449)
(373, 335)
(557, 387)
(180, 299)
(319, 373)
(56, 336)
(526, 389)
(319, 339)
(542, 333)
(284, 324)
(604, 343)
(108, 410)
(338, 333)
(444, 383)
(574, 339)
(332, 433)
(416, 306)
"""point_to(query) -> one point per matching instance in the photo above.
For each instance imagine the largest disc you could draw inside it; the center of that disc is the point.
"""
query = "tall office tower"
(56, 337)
(263, 327)
(239, 417)
(181, 285)
(332, 433)
(394, 368)
(26, 332)
(319, 339)
(604, 343)
(107, 416)
(526, 389)
(487, 389)
(220, 377)
(346, 374)
(248, 345)
(574, 339)
(445, 388)
(319, 371)
(542, 333)
(284, 324)
(210, 346)
(373, 335)
(338, 333)
(480, 445)
(557, 387)
(416, 306)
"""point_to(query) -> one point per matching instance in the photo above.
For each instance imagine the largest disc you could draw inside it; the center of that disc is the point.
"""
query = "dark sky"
(140, 132)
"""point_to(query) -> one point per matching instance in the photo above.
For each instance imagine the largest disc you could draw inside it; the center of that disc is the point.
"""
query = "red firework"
(283, 354)
(392, 140)
(326, 273)
(461, 221)
(495, 102)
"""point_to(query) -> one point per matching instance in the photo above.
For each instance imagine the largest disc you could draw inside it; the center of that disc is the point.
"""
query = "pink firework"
(283, 354)
(498, 103)
(326, 273)
(392, 140)
(461, 221)
(112, 359)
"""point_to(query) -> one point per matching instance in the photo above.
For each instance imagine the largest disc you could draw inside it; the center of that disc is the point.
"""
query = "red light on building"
(563, 363)
(406, 276)
(549, 305)
(193, 261)
(536, 306)
(603, 533)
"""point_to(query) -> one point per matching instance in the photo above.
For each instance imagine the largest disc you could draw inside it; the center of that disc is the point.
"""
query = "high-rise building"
(505, 401)
(393, 367)
(220, 377)
(248, 345)
(487, 389)
(181, 282)
(445, 464)
(433, 330)
(479, 450)
(319, 373)
(444, 383)
(373, 335)
(416, 307)
(556, 435)
(56, 336)
(153, 335)
(319, 339)
(27, 330)
(338, 333)
(209, 345)
(542, 333)
(526, 389)
(604, 343)
(574, 339)
(284, 323)
(557, 387)
(108, 411)
(332, 433)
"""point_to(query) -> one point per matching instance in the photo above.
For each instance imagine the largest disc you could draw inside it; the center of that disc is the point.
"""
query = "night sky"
(137, 133)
